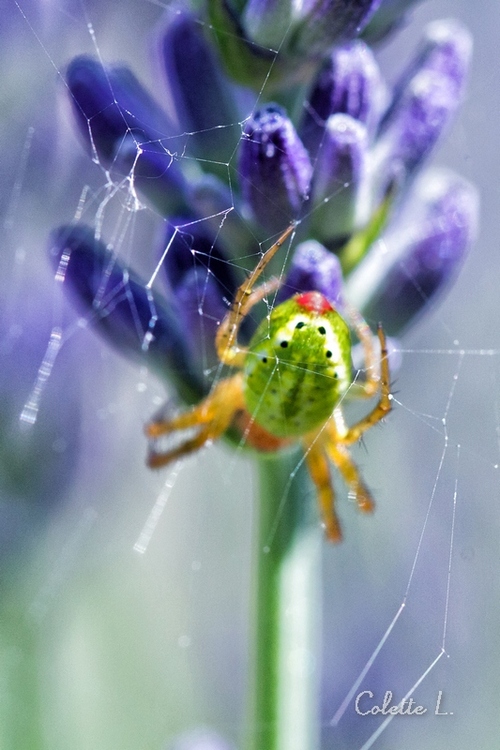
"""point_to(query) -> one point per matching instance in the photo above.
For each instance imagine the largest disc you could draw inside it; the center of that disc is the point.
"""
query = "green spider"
(290, 385)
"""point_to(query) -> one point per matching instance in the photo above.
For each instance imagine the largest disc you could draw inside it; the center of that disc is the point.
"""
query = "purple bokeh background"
(132, 649)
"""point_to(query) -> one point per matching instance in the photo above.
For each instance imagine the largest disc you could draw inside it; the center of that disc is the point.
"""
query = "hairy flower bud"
(350, 83)
(190, 246)
(313, 269)
(424, 102)
(131, 316)
(275, 168)
(200, 92)
(338, 177)
(420, 255)
(126, 130)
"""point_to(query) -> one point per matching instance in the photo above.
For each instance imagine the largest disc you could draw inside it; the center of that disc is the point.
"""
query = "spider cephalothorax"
(298, 366)
(291, 381)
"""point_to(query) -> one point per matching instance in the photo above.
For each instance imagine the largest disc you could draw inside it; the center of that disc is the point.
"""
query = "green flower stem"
(361, 242)
(284, 710)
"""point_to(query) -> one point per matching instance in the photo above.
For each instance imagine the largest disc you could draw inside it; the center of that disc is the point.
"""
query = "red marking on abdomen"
(314, 302)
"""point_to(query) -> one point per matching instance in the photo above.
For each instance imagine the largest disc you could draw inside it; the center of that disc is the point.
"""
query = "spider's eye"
(284, 344)
(322, 330)
(301, 324)
(328, 354)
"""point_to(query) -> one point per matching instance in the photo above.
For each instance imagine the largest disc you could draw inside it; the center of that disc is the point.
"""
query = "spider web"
(136, 583)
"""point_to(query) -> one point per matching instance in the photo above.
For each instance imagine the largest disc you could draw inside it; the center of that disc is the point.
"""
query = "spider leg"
(245, 298)
(212, 416)
(317, 463)
(381, 409)
(157, 460)
(350, 474)
(364, 334)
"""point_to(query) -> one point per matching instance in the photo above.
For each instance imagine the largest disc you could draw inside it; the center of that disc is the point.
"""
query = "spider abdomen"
(298, 366)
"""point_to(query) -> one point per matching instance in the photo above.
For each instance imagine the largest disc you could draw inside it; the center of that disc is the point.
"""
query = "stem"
(284, 711)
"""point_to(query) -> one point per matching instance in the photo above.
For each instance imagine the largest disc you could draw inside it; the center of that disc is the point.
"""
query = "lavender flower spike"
(126, 130)
(339, 176)
(275, 168)
(350, 83)
(424, 102)
(132, 317)
(420, 255)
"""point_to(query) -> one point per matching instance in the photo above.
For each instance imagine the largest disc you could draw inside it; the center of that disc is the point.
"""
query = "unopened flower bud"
(338, 177)
(126, 130)
(131, 316)
(425, 101)
(275, 168)
(313, 269)
(190, 246)
(351, 84)
(420, 255)
(200, 92)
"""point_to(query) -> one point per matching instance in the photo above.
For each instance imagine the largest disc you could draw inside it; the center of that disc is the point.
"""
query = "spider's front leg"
(228, 350)
(211, 417)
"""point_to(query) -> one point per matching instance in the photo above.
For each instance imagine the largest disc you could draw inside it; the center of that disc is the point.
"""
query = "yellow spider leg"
(201, 414)
(383, 406)
(317, 463)
(226, 343)
(364, 334)
(350, 474)
(213, 415)
(157, 460)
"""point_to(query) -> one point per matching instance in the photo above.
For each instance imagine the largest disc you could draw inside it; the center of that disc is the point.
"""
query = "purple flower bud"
(130, 315)
(200, 309)
(420, 255)
(313, 269)
(350, 83)
(213, 200)
(125, 129)
(424, 102)
(329, 22)
(201, 94)
(275, 168)
(189, 246)
(338, 176)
